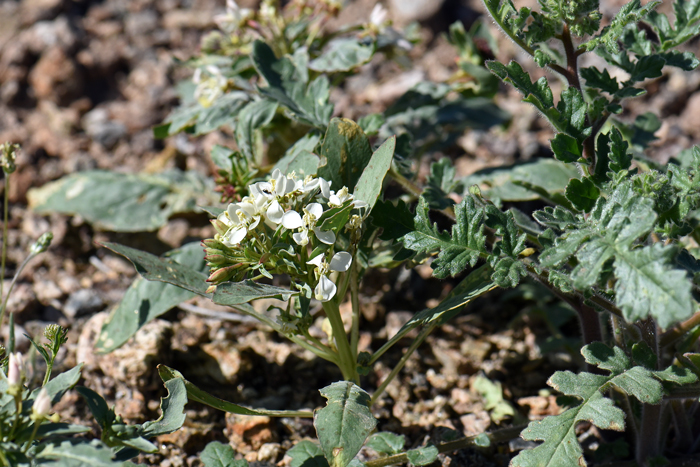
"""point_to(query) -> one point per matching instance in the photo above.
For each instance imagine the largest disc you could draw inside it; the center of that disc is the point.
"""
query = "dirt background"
(81, 85)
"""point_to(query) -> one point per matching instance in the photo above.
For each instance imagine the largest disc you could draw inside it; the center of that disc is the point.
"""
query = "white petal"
(291, 220)
(280, 182)
(316, 260)
(254, 224)
(225, 219)
(315, 209)
(234, 236)
(301, 238)
(325, 187)
(291, 185)
(311, 185)
(341, 261)
(358, 203)
(327, 237)
(334, 200)
(231, 210)
(275, 212)
(325, 290)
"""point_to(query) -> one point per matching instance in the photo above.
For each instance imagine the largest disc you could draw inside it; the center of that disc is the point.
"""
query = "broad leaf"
(300, 158)
(307, 454)
(145, 300)
(343, 54)
(344, 154)
(422, 456)
(216, 454)
(76, 453)
(386, 443)
(196, 394)
(123, 202)
(344, 423)
(255, 115)
(370, 183)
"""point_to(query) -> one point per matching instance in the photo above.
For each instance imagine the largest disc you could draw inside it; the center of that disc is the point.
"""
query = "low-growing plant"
(30, 435)
(617, 238)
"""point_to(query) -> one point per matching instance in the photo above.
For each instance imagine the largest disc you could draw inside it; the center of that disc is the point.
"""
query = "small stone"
(268, 452)
(222, 361)
(55, 76)
(249, 433)
(22, 299)
(82, 302)
(46, 291)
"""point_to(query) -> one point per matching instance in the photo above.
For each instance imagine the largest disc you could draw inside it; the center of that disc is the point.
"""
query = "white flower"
(337, 199)
(378, 16)
(240, 218)
(209, 89)
(42, 404)
(234, 16)
(14, 370)
(326, 289)
(312, 212)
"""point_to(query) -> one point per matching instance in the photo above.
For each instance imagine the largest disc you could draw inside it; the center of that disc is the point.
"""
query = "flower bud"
(8, 155)
(42, 244)
(42, 404)
(15, 370)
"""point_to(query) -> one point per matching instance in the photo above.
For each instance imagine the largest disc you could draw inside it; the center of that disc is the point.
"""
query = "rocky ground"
(81, 85)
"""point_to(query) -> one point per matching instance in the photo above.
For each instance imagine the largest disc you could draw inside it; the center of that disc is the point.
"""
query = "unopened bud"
(15, 370)
(8, 155)
(42, 404)
(42, 244)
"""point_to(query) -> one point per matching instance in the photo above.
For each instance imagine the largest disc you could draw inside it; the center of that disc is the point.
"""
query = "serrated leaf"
(686, 25)
(561, 445)
(647, 67)
(514, 74)
(196, 394)
(370, 183)
(307, 454)
(457, 251)
(441, 182)
(395, 220)
(566, 148)
(344, 154)
(343, 54)
(582, 194)
(628, 14)
(422, 456)
(253, 116)
(344, 423)
(145, 300)
(123, 202)
(600, 79)
(288, 85)
(216, 454)
(386, 443)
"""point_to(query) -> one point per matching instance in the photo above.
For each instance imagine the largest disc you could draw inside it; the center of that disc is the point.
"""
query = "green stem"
(496, 437)
(12, 285)
(49, 369)
(355, 300)
(414, 345)
(28, 444)
(348, 361)
(5, 214)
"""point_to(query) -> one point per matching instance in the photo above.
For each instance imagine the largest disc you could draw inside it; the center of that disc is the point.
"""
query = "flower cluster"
(279, 229)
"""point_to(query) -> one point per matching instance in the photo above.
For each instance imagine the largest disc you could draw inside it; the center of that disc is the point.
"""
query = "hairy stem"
(675, 333)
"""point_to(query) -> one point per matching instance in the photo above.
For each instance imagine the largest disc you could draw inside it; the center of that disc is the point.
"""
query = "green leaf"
(172, 408)
(370, 183)
(647, 67)
(457, 251)
(686, 25)
(236, 293)
(288, 85)
(255, 115)
(344, 154)
(422, 456)
(566, 148)
(307, 454)
(561, 445)
(343, 54)
(498, 408)
(196, 394)
(216, 454)
(166, 270)
(123, 202)
(441, 182)
(371, 123)
(97, 405)
(344, 423)
(145, 300)
(299, 158)
(538, 94)
(396, 220)
(58, 385)
(76, 453)
(582, 194)
(630, 13)
(222, 112)
(601, 80)
(386, 443)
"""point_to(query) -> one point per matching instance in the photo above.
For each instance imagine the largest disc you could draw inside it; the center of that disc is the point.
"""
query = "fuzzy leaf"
(561, 445)
(601, 80)
(539, 94)
(255, 115)
(582, 194)
(344, 423)
(307, 454)
(288, 85)
(123, 202)
(343, 54)
(386, 443)
(628, 14)
(566, 148)
(457, 251)
(395, 220)
(217, 454)
(686, 25)
(370, 183)
(422, 456)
